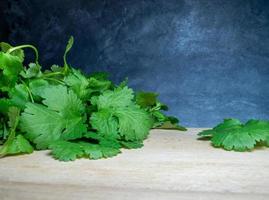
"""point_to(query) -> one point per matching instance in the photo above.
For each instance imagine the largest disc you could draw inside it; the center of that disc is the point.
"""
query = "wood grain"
(172, 165)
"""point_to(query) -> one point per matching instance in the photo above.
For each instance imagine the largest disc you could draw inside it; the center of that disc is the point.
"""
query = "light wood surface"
(171, 165)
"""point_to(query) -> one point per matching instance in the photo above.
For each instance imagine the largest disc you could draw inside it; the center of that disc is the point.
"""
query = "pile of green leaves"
(233, 135)
(73, 114)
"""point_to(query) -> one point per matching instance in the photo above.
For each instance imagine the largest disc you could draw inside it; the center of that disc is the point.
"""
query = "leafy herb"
(149, 102)
(233, 135)
(74, 115)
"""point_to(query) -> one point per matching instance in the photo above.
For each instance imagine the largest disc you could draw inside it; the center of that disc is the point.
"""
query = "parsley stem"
(68, 47)
(29, 91)
(11, 136)
(52, 74)
(30, 94)
(56, 80)
(25, 46)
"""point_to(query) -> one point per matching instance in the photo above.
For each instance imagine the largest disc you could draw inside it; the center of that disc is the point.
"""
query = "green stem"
(25, 46)
(67, 49)
(66, 68)
(30, 94)
(56, 80)
(10, 138)
(52, 74)
(29, 91)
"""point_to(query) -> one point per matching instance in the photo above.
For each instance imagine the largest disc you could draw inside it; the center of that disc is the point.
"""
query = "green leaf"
(18, 145)
(105, 123)
(232, 135)
(19, 95)
(10, 67)
(32, 71)
(207, 133)
(119, 97)
(56, 68)
(37, 86)
(158, 117)
(149, 102)
(62, 117)
(84, 86)
(5, 104)
(161, 121)
(110, 141)
(98, 85)
(103, 76)
(5, 46)
(170, 126)
(124, 83)
(42, 125)
(66, 151)
(107, 140)
(228, 123)
(132, 145)
(134, 123)
(234, 140)
(78, 83)
(95, 151)
(146, 99)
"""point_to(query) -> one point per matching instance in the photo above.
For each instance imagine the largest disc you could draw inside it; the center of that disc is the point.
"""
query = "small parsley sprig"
(72, 114)
(233, 135)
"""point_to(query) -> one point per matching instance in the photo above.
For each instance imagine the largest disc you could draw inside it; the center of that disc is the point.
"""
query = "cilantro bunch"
(233, 135)
(73, 114)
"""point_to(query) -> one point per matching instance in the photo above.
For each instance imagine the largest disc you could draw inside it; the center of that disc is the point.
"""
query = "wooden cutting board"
(172, 165)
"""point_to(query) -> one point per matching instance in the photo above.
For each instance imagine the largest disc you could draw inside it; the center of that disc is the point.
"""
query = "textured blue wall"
(208, 59)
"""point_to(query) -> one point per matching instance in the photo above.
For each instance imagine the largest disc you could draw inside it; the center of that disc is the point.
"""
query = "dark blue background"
(208, 59)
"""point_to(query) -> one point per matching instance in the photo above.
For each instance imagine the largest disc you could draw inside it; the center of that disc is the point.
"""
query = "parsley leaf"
(18, 145)
(117, 108)
(60, 118)
(233, 135)
(146, 99)
(83, 86)
(19, 95)
(105, 123)
(78, 83)
(134, 123)
(95, 151)
(67, 151)
(171, 126)
(32, 71)
(10, 67)
(149, 102)
(5, 104)
(132, 144)
(37, 86)
(119, 97)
